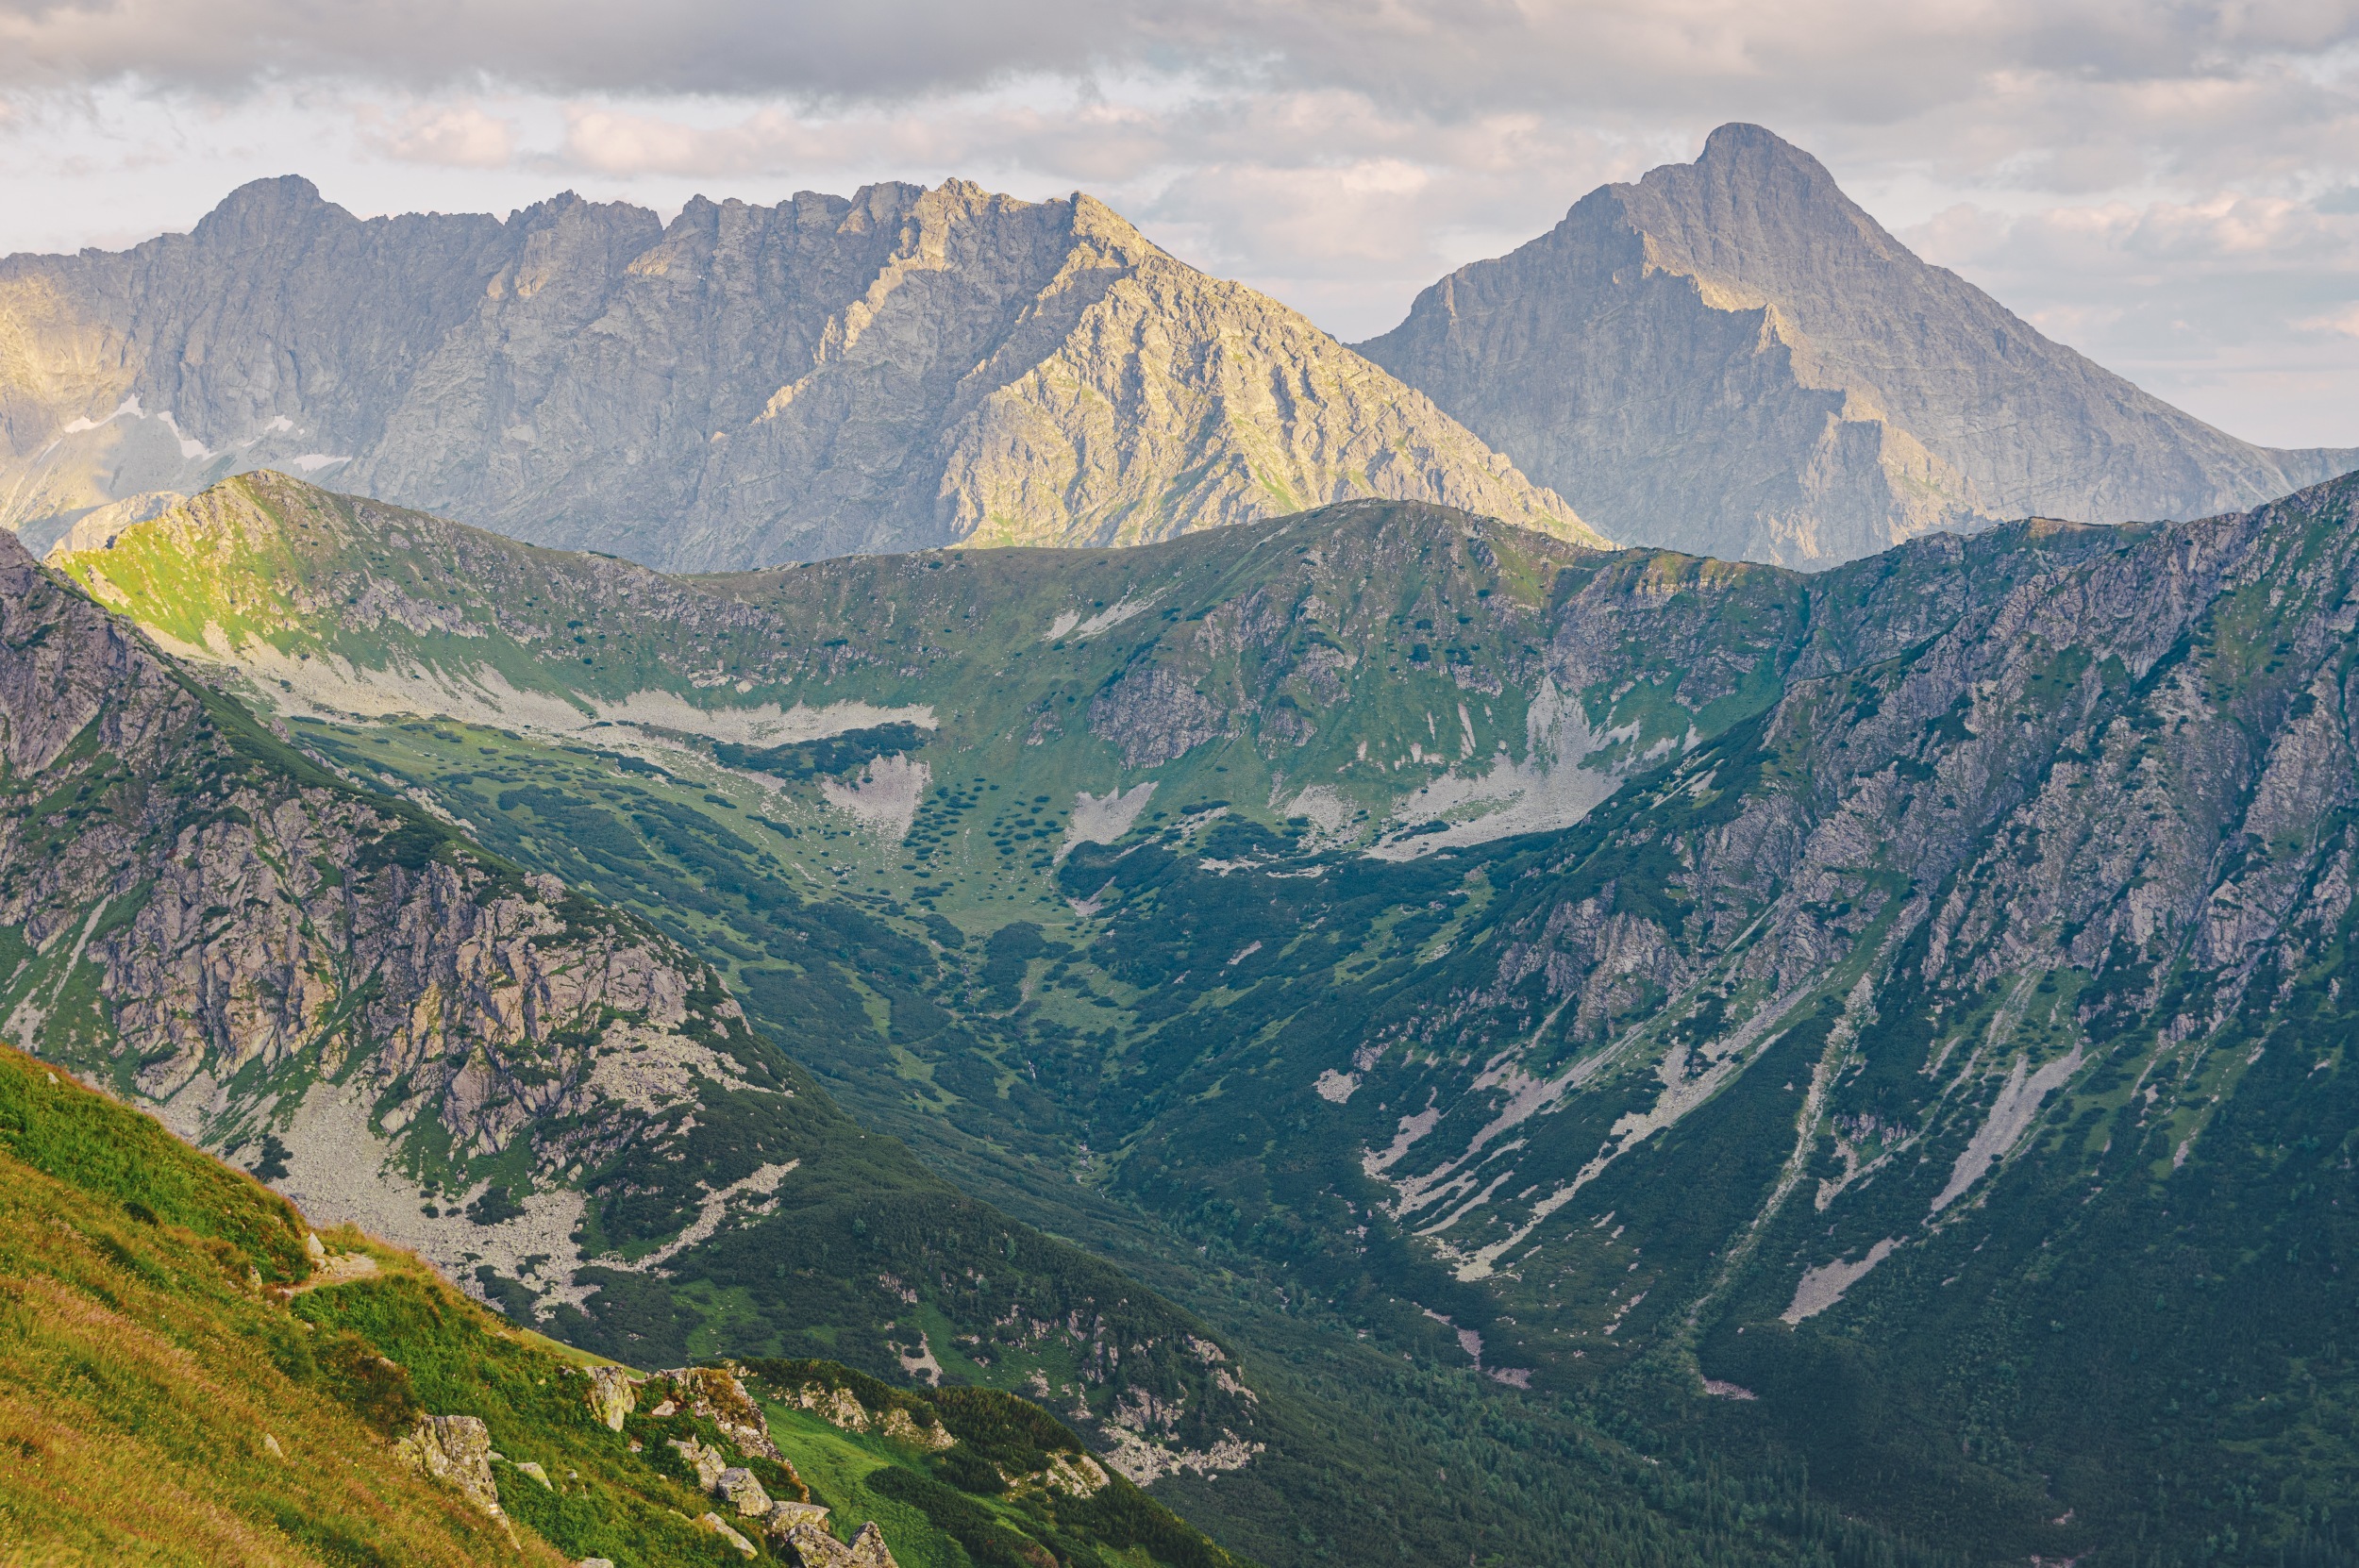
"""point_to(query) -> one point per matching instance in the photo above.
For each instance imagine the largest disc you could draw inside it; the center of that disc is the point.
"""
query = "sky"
(2171, 188)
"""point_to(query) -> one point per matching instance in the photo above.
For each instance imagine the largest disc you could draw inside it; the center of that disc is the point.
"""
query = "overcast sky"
(2172, 188)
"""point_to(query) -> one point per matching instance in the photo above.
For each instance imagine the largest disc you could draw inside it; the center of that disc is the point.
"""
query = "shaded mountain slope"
(742, 763)
(1730, 357)
(742, 387)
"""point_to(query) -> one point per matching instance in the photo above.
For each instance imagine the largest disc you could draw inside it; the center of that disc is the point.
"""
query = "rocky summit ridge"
(1732, 357)
(742, 387)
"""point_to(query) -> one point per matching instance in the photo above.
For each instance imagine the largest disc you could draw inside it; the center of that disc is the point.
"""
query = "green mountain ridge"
(1884, 1024)
(550, 1100)
(839, 1244)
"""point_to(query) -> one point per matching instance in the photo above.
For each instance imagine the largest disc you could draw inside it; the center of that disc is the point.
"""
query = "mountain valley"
(1889, 1021)
(890, 881)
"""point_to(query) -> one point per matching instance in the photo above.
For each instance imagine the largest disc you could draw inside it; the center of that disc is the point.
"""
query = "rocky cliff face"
(336, 985)
(745, 386)
(1731, 358)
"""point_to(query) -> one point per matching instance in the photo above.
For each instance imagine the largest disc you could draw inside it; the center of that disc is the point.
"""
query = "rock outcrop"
(457, 1451)
(744, 386)
(1732, 358)
(269, 958)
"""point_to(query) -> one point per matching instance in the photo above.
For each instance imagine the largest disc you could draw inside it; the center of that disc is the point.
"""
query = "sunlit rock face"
(1732, 358)
(743, 387)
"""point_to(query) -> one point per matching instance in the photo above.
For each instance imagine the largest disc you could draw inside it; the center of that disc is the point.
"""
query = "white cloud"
(458, 136)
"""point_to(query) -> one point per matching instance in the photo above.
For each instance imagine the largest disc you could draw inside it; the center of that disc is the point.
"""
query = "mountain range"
(1300, 1008)
(1728, 358)
(742, 386)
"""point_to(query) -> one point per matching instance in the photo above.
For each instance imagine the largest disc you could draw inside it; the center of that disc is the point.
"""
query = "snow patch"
(129, 406)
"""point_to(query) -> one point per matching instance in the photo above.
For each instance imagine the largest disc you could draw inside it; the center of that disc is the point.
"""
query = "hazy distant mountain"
(744, 386)
(1732, 358)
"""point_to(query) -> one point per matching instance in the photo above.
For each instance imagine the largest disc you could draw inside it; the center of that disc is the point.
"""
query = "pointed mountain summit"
(1732, 357)
(742, 387)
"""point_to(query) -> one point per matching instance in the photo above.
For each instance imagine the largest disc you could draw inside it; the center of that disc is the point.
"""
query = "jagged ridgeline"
(177, 1337)
(554, 1102)
(741, 386)
(1887, 1024)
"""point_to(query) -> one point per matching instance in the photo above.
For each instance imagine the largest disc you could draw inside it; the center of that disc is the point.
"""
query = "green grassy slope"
(181, 1384)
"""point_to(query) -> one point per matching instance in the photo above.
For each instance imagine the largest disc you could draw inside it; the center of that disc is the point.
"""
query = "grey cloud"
(1853, 60)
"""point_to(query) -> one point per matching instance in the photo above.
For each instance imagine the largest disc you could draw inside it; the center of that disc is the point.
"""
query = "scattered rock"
(808, 1544)
(707, 1461)
(719, 1526)
(613, 1395)
(457, 1451)
(532, 1468)
(744, 1491)
(869, 1550)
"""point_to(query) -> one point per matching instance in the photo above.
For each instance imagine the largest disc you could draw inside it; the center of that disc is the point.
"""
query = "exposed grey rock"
(742, 1490)
(613, 1395)
(1733, 358)
(721, 1528)
(869, 1548)
(745, 386)
(813, 1547)
(227, 905)
(457, 1451)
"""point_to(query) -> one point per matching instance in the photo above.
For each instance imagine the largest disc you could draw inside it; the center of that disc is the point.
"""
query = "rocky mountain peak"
(1755, 209)
(1732, 356)
(262, 204)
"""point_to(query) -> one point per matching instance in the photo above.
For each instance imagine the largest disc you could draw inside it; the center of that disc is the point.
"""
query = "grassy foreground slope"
(181, 1380)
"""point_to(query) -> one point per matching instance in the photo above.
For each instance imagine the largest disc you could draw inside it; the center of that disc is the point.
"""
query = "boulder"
(709, 1463)
(869, 1549)
(720, 1526)
(786, 1515)
(811, 1546)
(532, 1468)
(744, 1491)
(613, 1395)
(457, 1451)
